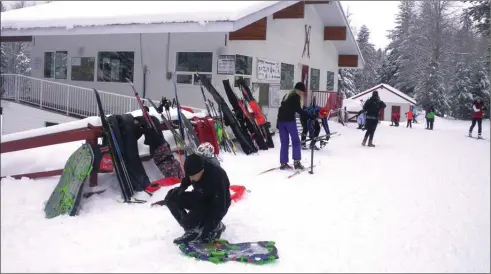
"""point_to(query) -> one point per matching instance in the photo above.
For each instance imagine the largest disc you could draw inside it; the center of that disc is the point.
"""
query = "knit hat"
(375, 94)
(193, 164)
(300, 86)
(323, 112)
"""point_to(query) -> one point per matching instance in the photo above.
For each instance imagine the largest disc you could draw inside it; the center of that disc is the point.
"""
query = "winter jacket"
(410, 115)
(395, 117)
(372, 107)
(212, 191)
(478, 110)
(289, 106)
(312, 115)
(430, 115)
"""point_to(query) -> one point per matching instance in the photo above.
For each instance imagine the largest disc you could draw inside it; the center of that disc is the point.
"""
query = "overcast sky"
(378, 16)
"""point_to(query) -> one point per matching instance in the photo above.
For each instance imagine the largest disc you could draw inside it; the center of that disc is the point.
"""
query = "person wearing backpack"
(478, 108)
(430, 118)
(372, 109)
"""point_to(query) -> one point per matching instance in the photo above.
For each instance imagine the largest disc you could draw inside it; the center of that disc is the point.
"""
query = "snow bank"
(69, 14)
(352, 105)
(95, 121)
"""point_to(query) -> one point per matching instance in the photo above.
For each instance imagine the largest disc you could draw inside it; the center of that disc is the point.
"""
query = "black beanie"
(193, 164)
(300, 86)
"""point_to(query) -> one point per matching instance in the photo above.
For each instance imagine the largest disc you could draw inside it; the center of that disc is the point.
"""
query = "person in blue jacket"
(317, 115)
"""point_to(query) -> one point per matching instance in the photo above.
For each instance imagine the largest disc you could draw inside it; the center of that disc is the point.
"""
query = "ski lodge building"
(77, 46)
(395, 100)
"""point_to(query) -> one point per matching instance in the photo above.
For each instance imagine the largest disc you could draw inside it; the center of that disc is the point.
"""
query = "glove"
(185, 183)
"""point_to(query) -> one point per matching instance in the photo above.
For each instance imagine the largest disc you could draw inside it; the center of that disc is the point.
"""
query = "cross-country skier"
(200, 212)
(159, 148)
(478, 108)
(316, 113)
(372, 109)
(287, 126)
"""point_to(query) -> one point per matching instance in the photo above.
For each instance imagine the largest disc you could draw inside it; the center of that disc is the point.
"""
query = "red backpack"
(205, 130)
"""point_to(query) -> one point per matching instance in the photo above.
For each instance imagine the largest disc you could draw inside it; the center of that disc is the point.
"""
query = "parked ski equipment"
(117, 157)
(142, 107)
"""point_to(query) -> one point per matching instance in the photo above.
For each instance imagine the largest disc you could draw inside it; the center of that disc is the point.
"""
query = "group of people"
(200, 211)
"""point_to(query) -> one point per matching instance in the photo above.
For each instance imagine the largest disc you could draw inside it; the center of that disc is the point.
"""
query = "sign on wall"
(76, 61)
(268, 70)
(226, 64)
(274, 96)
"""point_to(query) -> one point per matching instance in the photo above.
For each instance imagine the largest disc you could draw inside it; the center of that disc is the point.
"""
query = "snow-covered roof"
(390, 89)
(224, 15)
(352, 105)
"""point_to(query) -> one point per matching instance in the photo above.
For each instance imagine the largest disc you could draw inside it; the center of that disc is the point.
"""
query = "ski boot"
(298, 165)
(370, 143)
(470, 134)
(479, 136)
(285, 166)
(364, 142)
(188, 236)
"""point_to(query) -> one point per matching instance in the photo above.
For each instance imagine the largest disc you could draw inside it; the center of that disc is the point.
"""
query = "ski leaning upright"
(117, 156)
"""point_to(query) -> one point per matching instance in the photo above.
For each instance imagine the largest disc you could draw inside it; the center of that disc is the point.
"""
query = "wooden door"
(396, 109)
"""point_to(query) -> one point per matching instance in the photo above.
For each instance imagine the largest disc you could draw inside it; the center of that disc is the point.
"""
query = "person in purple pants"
(287, 126)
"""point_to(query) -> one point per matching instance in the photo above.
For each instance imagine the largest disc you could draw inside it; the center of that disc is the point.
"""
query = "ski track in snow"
(418, 202)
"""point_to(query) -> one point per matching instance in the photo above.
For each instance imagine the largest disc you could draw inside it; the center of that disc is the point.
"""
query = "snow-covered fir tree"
(461, 93)
(367, 77)
(431, 90)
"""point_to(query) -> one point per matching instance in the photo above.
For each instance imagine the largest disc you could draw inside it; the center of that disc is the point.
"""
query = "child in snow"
(478, 107)
(287, 126)
(430, 117)
(395, 119)
(409, 115)
(316, 113)
(361, 121)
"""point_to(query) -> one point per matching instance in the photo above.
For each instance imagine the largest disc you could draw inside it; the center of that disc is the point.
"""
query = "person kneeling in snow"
(314, 127)
(208, 203)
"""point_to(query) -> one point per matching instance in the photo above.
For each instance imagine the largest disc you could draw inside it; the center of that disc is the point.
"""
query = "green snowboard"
(67, 194)
(222, 251)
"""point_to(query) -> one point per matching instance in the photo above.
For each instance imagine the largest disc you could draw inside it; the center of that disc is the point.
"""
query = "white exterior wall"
(285, 42)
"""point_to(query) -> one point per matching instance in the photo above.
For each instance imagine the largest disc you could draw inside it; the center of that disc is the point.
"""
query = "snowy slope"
(417, 202)
(17, 117)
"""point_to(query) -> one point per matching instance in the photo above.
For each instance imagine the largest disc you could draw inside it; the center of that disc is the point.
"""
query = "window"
(243, 65)
(243, 69)
(55, 64)
(115, 66)
(287, 75)
(330, 80)
(247, 80)
(83, 68)
(314, 78)
(188, 63)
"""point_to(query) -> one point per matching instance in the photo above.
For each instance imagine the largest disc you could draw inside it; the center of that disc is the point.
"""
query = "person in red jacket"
(409, 118)
(478, 108)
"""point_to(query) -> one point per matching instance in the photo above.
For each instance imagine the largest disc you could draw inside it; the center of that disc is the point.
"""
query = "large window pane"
(243, 65)
(314, 78)
(115, 66)
(194, 61)
(83, 68)
(287, 76)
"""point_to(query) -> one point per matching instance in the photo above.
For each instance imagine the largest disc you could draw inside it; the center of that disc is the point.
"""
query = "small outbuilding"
(395, 100)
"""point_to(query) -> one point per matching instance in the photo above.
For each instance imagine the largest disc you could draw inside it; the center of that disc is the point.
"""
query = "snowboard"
(65, 198)
(221, 251)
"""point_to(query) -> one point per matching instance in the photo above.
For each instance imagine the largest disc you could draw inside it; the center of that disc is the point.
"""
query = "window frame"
(292, 79)
(327, 79)
(318, 78)
(194, 80)
(53, 67)
(123, 69)
(247, 77)
(94, 68)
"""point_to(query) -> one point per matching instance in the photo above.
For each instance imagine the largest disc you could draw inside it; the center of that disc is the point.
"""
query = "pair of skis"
(295, 173)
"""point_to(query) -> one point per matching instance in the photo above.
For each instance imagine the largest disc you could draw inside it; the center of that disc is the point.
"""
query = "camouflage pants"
(166, 162)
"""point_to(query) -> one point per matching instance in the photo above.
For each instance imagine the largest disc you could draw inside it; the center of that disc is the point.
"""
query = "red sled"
(205, 130)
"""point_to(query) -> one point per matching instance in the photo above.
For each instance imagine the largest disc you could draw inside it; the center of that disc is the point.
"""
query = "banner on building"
(268, 70)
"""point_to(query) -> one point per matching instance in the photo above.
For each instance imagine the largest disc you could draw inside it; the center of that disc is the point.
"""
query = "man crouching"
(206, 205)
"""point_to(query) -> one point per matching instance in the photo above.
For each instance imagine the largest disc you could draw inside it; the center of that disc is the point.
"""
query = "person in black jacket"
(372, 109)
(287, 126)
(207, 204)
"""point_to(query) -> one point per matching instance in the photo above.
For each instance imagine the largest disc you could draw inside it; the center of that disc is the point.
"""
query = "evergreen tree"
(431, 90)
(346, 83)
(461, 93)
(367, 77)
(481, 83)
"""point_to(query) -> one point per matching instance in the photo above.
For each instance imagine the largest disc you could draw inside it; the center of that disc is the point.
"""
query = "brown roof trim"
(383, 86)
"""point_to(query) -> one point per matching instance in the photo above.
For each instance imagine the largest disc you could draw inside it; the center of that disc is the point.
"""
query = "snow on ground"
(420, 201)
(18, 117)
